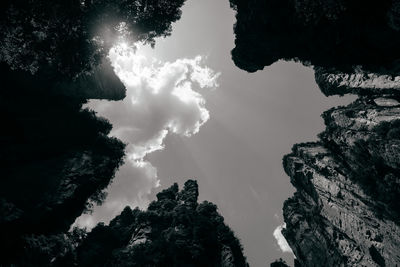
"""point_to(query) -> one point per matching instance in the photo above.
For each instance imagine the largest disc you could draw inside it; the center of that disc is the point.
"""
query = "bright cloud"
(162, 98)
(282, 243)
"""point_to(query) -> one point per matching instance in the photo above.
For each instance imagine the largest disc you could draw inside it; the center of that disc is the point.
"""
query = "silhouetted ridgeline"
(174, 231)
(346, 210)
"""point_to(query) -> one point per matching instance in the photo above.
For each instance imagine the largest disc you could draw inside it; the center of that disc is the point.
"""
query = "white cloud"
(162, 98)
(282, 243)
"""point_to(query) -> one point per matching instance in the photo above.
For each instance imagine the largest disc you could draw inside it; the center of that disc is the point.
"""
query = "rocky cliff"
(325, 33)
(345, 211)
(357, 81)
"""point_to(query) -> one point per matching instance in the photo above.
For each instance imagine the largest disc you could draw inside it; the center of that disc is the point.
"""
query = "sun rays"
(162, 98)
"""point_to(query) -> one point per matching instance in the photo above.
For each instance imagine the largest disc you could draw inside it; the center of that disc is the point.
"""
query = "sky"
(190, 113)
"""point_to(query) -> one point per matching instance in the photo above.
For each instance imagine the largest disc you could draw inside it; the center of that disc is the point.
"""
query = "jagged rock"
(364, 120)
(330, 221)
(333, 82)
(227, 258)
(279, 263)
(345, 211)
(332, 34)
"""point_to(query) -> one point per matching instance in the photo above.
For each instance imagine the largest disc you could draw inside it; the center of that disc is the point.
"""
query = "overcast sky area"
(215, 123)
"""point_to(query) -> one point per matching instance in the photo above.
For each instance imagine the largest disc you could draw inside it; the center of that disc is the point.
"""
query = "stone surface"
(345, 211)
(329, 220)
(333, 82)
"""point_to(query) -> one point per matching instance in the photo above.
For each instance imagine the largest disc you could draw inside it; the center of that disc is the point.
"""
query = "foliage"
(174, 231)
(66, 39)
(57, 157)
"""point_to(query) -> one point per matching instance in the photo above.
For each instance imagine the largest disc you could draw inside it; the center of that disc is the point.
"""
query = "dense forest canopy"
(70, 38)
(57, 157)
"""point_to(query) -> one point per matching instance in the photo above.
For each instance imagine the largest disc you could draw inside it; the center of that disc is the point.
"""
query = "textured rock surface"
(330, 220)
(346, 208)
(333, 82)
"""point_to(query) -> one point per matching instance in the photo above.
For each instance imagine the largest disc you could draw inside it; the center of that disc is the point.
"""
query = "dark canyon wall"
(346, 208)
(345, 211)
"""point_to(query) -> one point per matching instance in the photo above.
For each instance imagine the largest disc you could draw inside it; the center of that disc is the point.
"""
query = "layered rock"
(346, 208)
(101, 83)
(345, 211)
(330, 220)
(333, 82)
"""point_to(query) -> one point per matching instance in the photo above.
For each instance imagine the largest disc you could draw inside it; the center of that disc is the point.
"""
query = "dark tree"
(174, 231)
(69, 38)
(57, 157)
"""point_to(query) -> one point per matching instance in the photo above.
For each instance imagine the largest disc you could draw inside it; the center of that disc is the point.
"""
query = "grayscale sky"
(255, 119)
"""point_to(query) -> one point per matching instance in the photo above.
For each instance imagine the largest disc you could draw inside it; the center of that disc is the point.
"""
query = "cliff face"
(333, 82)
(174, 231)
(326, 33)
(345, 211)
(346, 208)
(331, 221)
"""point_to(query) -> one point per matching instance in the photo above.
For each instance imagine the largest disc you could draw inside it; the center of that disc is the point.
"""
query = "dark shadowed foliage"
(56, 157)
(67, 39)
(339, 34)
(174, 231)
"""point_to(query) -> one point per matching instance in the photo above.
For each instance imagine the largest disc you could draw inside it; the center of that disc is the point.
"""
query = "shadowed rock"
(326, 33)
(346, 208)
